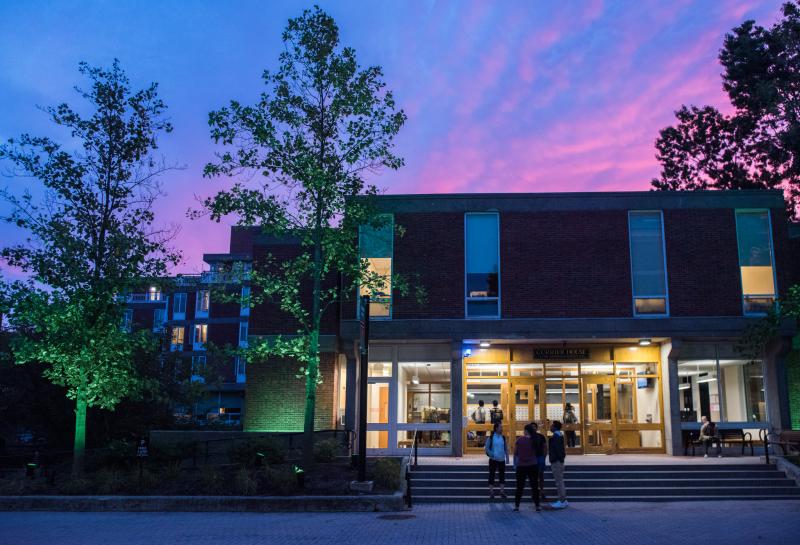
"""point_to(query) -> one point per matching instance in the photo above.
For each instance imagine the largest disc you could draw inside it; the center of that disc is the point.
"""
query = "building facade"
(617, 313)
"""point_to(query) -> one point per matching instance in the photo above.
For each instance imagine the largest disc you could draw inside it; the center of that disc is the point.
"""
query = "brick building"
(618, 313)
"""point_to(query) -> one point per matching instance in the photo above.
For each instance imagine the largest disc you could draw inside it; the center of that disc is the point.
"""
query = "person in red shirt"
(526, 467)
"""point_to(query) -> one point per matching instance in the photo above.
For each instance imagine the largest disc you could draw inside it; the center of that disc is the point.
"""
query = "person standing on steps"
(557, 456)
(570, 419)
(479, 417)
(526, 468)
(497, 451)
(495, 413)
(540, 447)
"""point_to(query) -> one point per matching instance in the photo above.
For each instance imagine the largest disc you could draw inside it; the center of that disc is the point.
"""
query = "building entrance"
(608, 401)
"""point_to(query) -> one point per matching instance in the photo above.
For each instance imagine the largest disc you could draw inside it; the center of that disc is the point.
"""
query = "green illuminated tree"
(758, 145)
(305, 146)
(90, 238)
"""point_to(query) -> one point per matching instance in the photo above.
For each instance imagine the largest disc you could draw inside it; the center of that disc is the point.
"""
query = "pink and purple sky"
(512, 96)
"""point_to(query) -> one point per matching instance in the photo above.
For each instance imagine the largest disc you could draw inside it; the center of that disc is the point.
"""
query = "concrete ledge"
(791, 470)
(257, 504)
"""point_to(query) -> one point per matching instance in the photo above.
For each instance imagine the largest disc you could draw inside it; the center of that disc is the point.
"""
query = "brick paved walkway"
(451, 524)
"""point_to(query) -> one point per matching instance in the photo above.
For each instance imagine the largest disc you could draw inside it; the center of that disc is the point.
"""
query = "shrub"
(245, 452)
(171, 454)
(119, 453)
(325, 451)
(212, 481)
(109, 481)
(244, 483)
(75, 487)
(281, 481)
(387, 473)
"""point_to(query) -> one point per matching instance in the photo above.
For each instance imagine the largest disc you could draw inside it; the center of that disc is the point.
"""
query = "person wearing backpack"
(526, 468)
(557, 456)
(497, 451)
(540, 446)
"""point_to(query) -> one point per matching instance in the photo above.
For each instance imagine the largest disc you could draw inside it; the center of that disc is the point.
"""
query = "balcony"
(149, 297)
(224, 277)
(184, 280)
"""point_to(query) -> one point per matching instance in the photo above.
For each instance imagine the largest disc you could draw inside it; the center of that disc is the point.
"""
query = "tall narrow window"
(755, 260)
(127, 320)
(376, 247)
(203, 302)
(245, 305)
(159, 317)
(648, 266)
(243, 334)
(179, 306)
(482, 264)
(200, 336)
(240, 364)
(176, 344)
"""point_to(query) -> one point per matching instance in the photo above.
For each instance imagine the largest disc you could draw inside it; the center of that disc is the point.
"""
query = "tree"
(758, 145)
(91, 239)
(322, 123)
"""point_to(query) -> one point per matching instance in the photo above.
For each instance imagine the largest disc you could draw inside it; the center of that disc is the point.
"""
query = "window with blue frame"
(482, 264)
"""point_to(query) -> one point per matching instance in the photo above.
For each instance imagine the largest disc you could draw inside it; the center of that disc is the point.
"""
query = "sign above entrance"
(560, 353)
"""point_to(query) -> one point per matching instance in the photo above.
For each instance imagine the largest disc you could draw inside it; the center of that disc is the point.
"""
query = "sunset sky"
(510, 96)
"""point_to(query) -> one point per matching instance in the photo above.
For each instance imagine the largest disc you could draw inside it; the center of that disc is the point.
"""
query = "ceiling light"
(707, 379)
(415, 379)
(645, 342)
(485, 344)
(684, 386)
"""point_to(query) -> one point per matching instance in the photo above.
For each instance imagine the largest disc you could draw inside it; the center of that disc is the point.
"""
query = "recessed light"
(645, 342)
(485, 344)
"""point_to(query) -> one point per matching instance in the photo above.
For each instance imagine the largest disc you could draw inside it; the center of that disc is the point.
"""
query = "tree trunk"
(79, 448)
(312, 364)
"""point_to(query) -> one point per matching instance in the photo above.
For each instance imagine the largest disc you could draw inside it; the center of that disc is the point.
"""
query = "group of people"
(530, 454)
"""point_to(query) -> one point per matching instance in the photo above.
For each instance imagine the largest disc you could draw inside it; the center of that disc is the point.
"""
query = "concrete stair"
(685, 482)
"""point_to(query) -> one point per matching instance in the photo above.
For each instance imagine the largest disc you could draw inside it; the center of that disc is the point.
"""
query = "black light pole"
(363, 371)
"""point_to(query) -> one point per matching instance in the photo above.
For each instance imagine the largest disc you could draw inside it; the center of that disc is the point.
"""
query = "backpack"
(488, 447)
(496, 415)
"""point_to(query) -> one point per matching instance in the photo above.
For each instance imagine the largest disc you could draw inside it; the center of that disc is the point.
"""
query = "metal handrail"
(415, 453)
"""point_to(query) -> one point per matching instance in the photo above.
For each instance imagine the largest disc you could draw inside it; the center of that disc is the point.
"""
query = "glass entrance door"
(526, 405)
(599, 401)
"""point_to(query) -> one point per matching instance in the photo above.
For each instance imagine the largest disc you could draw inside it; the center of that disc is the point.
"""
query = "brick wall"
(431, 251)
(275, 398)
(565, 264)
(702, 262)
(268, 318)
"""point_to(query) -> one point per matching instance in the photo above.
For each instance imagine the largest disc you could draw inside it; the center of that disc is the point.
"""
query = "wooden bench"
(692, 440)
(788, 440)
(735, 437)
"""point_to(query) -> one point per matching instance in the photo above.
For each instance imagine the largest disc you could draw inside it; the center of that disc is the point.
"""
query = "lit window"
(482, 265)
(203, 301)
(154, 294)
(176, 343)
(755, 260)
(179, 306)
(200, 336)
(648, 267)
(376, 247)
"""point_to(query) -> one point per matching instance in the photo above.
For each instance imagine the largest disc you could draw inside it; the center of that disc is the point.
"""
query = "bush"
(325, 451)
(244, 483)
(75, 487)
(212, 481)
(281, 481)
(171, 454)
(109, 481)
(387, 473)
(245, 452)
(119, 453)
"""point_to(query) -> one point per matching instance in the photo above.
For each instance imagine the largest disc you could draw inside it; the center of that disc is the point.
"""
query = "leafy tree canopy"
(758, 145)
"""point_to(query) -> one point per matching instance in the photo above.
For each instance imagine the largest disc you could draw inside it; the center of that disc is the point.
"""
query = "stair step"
(572, 499)
(684, 483)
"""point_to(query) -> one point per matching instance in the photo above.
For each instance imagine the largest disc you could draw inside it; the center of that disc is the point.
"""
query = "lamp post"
(363, 370)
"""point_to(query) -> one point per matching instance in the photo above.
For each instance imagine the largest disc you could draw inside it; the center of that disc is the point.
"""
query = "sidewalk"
(731, 523)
